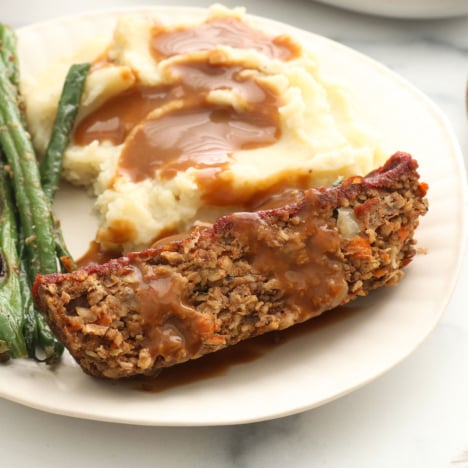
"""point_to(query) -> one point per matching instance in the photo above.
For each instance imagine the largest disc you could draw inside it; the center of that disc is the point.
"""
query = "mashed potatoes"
(183, 122)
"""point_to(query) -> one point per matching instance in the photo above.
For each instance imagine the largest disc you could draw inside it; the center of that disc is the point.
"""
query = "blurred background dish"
(404, 8)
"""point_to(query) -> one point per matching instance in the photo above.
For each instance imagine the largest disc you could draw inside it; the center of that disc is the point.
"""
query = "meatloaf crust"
(247, 274)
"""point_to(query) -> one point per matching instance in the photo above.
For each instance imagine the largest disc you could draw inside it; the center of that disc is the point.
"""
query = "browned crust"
(223, 295)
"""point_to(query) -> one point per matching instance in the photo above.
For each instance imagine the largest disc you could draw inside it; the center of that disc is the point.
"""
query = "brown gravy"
(310, 270)
(176, 126)
(172, 128)
(303, 258)
(171, 328)
(114, 120)
(226, 31)
(220, 362)
(96, 255)
(199, 137)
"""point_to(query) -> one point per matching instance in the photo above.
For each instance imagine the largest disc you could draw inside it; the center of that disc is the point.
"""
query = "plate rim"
(462, 198)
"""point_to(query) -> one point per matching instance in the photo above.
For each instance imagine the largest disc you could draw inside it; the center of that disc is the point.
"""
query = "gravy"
(219, 363)
(226, 31)
(179, 125)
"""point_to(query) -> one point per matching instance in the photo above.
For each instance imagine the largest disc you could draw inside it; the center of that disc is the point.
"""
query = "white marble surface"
(414, 416)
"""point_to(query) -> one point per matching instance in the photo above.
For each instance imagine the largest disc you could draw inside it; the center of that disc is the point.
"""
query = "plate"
(339, 352)
(405, 9)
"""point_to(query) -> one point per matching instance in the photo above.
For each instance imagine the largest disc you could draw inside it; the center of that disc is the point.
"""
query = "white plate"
(404, 8)
(343, 352)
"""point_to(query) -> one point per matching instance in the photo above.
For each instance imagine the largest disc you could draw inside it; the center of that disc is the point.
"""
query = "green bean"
(9, 57)
(33, 206)
(35, 215)
(51, 165)
(12, 343)
(8, 53)
(41, 240)
(29, 313)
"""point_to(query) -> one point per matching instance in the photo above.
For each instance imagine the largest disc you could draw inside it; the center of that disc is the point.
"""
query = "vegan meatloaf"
(247, 274)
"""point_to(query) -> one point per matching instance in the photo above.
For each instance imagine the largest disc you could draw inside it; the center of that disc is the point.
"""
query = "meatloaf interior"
(247, 274)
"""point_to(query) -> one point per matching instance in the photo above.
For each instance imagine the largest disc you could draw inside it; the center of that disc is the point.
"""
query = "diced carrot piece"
(359, 248)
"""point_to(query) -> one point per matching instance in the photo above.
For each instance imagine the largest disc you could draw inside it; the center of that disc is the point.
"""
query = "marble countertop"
(416, 415)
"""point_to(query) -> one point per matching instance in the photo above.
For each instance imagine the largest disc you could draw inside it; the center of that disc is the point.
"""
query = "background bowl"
(422, 9)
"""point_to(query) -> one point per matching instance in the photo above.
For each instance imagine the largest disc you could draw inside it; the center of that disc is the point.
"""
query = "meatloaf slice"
(247, 274)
